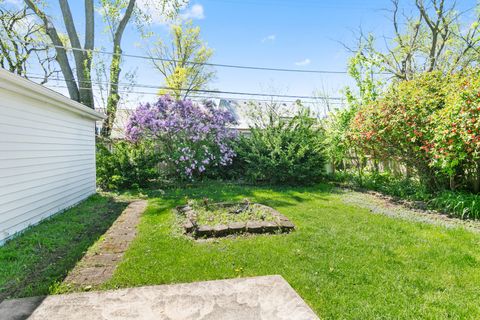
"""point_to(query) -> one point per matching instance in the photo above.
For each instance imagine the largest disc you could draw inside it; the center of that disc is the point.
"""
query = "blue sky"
(304, 34)
(285, 34)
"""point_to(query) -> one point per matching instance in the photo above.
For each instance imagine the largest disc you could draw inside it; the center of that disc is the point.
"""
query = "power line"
(220, 65)
(211, 97)
(257, 94)
(265, 100)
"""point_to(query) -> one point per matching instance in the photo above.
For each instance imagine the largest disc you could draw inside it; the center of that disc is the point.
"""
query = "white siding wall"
(47, 160)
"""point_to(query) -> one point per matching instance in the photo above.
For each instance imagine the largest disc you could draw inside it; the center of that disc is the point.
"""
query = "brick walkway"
(98, 265)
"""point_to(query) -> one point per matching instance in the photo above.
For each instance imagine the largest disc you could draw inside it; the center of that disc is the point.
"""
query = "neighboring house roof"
(241, 109)
(247, 113)
(27, 88)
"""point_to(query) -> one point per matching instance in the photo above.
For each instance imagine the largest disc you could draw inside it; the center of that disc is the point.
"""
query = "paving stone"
(237, 227)
(204, 231)
(287, 226)
(270, 227)
(188, 226)
(221, 230)
(254, 227)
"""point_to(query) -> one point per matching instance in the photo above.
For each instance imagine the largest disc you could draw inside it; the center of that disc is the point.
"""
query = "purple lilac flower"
(199, 133)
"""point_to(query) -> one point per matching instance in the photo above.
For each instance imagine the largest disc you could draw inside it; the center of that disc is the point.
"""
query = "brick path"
(99, 263)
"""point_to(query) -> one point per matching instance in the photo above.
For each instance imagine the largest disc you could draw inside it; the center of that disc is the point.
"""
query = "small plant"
(462, 205)
(126, 165)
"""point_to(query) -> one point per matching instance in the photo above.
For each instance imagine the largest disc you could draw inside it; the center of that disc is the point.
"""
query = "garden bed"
(203, 219)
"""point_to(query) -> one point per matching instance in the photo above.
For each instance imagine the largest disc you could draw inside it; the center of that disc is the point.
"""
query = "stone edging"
(281, 224)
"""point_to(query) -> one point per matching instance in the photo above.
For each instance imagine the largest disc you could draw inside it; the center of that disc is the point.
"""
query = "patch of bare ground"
(379, 203)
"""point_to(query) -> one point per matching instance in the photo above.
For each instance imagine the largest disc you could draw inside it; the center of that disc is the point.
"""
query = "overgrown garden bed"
(204, 219)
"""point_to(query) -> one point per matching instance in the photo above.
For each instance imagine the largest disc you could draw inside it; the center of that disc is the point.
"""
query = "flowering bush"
(456, 144)
(192, 138)
(430, 124)
(401, 125)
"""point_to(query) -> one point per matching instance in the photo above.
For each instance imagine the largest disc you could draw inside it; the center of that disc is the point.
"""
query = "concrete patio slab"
(259, 298)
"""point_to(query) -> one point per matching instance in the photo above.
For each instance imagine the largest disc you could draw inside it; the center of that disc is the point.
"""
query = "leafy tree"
(337, 125)
(434, 37)
(117, 14)
(401, 124)
(182, 62)
(21, 44)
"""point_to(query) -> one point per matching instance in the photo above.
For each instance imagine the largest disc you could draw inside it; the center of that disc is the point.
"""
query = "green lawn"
(35, 262)
(344, 261)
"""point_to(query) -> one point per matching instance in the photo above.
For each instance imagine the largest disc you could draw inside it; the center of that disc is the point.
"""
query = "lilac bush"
(193, 136)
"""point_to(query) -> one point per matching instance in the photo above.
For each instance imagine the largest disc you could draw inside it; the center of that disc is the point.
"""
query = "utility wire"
(220, 65)
(201, 90)
(211, 97)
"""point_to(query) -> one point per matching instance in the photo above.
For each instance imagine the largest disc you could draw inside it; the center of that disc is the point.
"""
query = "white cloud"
(302, 63)
(17, 3)
(195, 12)
(270, 38)
(157, 16)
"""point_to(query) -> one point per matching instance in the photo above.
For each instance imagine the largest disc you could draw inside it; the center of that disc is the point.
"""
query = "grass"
(35, 262)
(344, 261)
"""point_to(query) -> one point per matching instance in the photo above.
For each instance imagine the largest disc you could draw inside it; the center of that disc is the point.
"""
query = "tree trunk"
(476, 182)
(89, 45)
(80, 56)
(452, 182)
(62, 57)
(113, 97)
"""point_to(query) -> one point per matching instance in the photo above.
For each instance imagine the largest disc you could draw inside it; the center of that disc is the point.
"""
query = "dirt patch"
(99, 264)
(381, 204)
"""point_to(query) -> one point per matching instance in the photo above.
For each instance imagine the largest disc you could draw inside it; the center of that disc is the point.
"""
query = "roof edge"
(18, 84)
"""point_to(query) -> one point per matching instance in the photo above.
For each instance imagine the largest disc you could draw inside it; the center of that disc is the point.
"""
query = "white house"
(47, 153)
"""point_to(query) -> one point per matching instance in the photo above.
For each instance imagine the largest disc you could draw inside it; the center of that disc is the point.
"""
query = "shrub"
(285, 151)
(126, 165)
(401, 125)
(191, 138)
(456, 144)
(429, 124)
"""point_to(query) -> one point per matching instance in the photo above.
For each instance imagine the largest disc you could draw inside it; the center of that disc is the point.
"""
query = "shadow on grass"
(274, 196)
(36, 261)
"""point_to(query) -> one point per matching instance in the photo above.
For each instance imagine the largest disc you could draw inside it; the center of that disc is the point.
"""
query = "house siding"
(47, 160)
